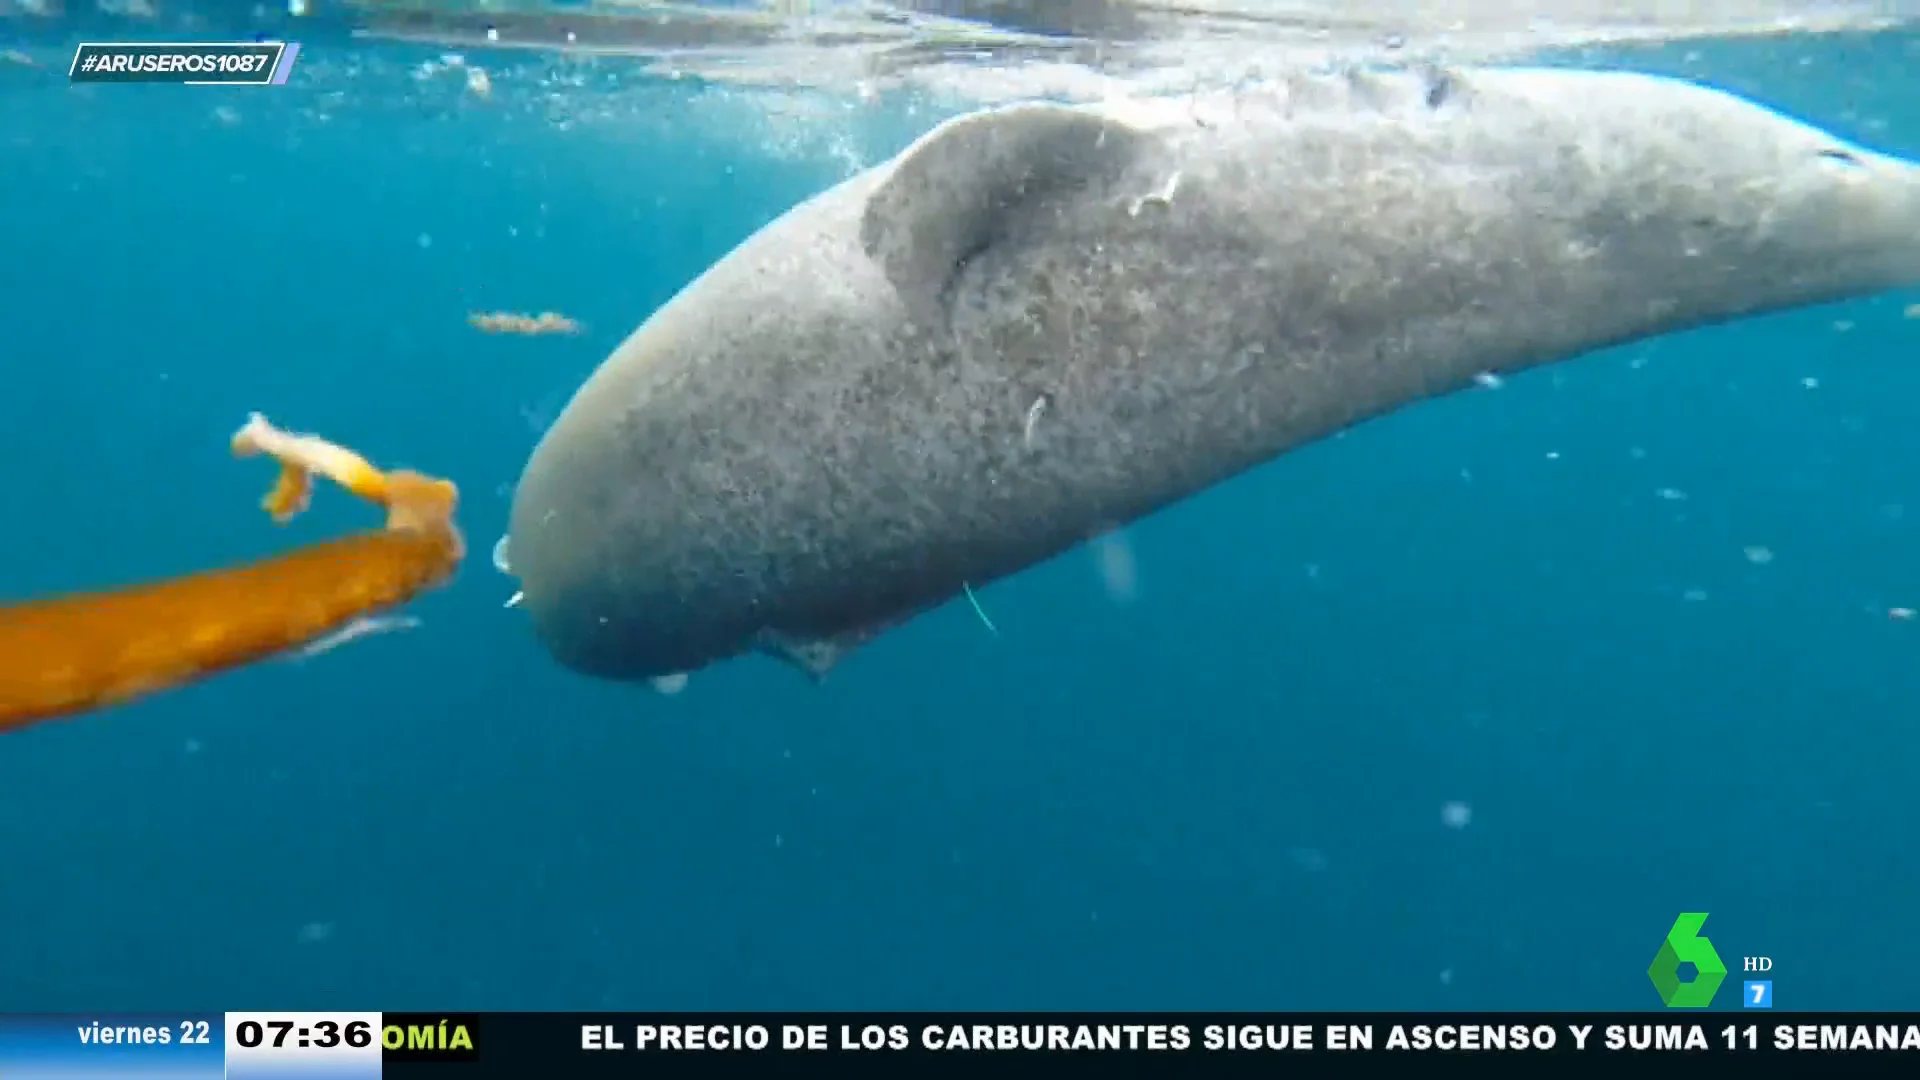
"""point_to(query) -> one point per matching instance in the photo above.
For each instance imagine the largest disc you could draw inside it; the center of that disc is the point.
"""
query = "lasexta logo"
(1685, 945)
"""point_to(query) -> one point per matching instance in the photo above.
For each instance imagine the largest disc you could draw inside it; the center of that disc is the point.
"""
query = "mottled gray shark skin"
(1041, 322)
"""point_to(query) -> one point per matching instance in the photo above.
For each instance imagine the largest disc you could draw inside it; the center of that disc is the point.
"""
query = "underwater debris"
(507, 322)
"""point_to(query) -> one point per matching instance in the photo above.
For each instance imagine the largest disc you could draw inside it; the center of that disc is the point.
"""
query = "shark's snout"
(1904, 226)
(1876, 213)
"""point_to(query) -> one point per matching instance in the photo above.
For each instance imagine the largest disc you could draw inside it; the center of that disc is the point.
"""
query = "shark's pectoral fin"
(950, 192)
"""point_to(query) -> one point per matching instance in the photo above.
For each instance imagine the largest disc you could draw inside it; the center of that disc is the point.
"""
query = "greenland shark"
(1041, 322)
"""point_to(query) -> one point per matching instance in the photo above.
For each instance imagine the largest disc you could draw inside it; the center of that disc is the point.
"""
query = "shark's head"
(1766, 211)
(1829, 216)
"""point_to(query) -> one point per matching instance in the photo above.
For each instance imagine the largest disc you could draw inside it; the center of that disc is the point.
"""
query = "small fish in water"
(507, 322)
(357, 629)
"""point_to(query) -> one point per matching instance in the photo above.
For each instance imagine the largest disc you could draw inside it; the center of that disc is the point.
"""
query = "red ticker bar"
(1201, 1046)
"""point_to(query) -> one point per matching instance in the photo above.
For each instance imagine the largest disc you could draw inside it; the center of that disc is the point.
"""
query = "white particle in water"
(364, 626)
(1757, 555)
(1456, 815)
(1119, 570)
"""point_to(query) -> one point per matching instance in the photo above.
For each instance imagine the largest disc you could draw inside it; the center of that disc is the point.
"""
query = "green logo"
(1684, 945)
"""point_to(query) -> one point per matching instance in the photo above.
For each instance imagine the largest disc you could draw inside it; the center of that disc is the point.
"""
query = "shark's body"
(1042, 322)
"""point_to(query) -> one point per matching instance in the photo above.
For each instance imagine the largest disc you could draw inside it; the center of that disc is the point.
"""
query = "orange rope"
(72, 654)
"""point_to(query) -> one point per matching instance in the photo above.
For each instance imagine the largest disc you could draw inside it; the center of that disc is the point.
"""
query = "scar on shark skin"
(1162, 198)
(1034, 412)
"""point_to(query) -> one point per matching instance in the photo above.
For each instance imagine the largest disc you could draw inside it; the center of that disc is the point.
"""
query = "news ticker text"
(469, 1046)
(198, 63)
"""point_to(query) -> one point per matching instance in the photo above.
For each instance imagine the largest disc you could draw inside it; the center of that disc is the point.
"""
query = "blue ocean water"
(1456, 711)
